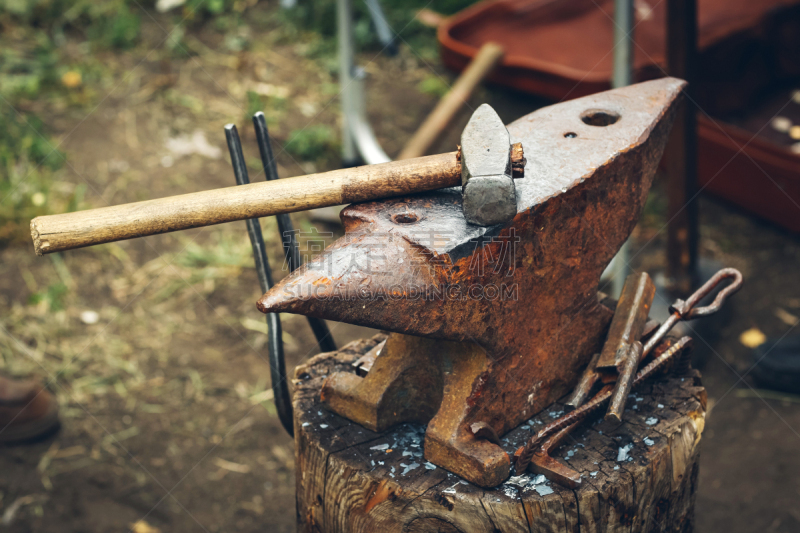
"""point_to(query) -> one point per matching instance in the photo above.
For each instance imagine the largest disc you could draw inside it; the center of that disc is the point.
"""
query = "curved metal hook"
(687, 310)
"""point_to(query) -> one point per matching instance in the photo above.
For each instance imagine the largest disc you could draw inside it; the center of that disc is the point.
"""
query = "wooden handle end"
(39, 246)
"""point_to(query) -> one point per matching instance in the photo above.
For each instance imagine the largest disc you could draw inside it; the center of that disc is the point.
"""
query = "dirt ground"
(167, 418)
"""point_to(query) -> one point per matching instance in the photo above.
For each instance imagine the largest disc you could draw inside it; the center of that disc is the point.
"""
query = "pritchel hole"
(405, 218)
(599, 117)
(570, 135)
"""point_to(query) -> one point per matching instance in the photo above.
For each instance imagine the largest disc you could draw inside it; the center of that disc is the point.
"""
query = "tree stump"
(640, 476)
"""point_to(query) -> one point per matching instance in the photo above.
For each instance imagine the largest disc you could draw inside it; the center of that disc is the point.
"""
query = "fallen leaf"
(71, 79)
(752, 338)
(264, 396)
(231, 466)
(786, 317)
(141, 526)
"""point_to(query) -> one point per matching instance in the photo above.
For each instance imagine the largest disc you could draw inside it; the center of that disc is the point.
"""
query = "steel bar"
(277, 367)
(630, 317)
(627, 370)
(622, 75)
(585, 385)
(288, 235)
(551, 467)
(686, 310)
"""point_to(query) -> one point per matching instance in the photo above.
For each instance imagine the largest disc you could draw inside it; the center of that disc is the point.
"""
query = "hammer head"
(489, 194)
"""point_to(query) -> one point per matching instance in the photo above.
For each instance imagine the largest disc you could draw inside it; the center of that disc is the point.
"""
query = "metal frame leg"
(358, 139)
(618, 269)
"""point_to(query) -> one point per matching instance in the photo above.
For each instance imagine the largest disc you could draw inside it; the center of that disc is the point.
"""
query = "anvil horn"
(520, 298)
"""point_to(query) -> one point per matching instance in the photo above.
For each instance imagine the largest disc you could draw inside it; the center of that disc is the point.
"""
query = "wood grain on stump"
(640, 476)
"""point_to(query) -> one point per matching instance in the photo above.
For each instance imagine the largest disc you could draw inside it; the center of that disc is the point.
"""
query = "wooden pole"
(481, 66)
(56, 233)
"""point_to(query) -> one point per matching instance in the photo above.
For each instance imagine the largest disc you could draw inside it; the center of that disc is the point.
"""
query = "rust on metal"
(518, 161)
(627, 370)
(571, 420)
(629, 319)
(662, 349)
(584, 387)
(364, 363)
(551, 468)
(684, 362)
(489, 324)
(482, 430)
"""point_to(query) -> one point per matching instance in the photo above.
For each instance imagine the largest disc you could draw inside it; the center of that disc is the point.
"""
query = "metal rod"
(382, 28)
(627, 373)
(277, 367)
(288, 235)
(681, 155)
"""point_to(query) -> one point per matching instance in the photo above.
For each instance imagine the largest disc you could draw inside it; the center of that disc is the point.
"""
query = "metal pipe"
(344, 19)
(623, 44)
(622, 75)
(358, 139)
(382, 28)
(681, 158)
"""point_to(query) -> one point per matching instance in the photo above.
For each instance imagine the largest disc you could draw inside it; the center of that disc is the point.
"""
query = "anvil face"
(514, 307)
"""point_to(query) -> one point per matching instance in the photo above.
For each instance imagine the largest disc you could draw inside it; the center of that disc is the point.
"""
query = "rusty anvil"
(489, 325)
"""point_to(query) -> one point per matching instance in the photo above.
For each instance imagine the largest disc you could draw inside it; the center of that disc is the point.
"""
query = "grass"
(320, 18)
(36, 75)
(312, 142)
(29, 167)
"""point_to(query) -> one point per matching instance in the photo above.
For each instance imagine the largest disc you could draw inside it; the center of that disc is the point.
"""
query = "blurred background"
(153, 348)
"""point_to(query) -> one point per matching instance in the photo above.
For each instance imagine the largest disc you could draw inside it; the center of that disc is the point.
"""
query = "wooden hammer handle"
(55, 233)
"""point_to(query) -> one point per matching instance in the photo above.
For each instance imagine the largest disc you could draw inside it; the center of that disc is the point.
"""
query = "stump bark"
(638, 477)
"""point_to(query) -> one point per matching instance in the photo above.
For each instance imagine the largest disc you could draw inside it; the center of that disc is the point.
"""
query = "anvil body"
(490, 324)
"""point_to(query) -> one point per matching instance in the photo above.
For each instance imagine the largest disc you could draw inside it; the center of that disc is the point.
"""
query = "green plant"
(312, 143)
(24, 71)
(53, 295)
(28, 163)
(320, 17)
(433, 85)
(113, 24)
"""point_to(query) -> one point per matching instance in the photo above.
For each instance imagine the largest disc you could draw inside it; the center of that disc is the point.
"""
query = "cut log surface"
(639, 476)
